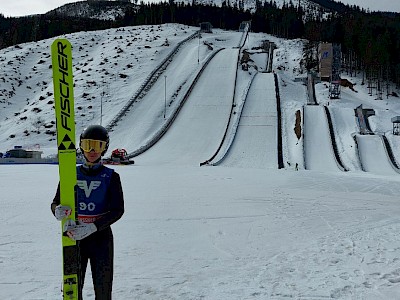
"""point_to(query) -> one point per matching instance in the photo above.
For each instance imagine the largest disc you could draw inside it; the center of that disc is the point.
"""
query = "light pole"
(101, 107)
(103, 94)
(198, 51)
(165, 95)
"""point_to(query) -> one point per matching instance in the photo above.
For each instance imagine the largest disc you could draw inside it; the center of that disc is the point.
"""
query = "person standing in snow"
(100, 204)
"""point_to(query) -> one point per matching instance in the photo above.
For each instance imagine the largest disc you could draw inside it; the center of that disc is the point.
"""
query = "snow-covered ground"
(217, 233)
(231, 231)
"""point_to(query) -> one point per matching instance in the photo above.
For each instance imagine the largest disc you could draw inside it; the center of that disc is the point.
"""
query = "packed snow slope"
(200, 125)
(373, 155)
(345, 127)
(255, 141)
(318, 144)
(244, 230)
(153, 110)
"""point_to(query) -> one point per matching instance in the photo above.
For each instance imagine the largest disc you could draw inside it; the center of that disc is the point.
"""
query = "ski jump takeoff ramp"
(255, 142)
(318, 150)
(373, 155)
(199, 128)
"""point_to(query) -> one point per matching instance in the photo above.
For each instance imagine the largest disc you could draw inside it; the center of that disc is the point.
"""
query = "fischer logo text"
(65, 88)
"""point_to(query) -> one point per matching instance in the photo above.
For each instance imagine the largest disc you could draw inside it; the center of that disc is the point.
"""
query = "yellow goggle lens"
(95, 145)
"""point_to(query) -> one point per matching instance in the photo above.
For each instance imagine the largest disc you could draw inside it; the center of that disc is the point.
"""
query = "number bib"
(91, 195)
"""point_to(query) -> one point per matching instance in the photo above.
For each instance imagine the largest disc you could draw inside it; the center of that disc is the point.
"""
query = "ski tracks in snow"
(356, 255)
(318, 270)
(335, 239)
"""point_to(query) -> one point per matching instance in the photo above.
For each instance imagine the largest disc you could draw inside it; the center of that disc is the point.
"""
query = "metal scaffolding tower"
(334, 87)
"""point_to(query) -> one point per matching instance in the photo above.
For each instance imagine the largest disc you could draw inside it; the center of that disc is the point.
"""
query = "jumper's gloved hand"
(62, 211)
(80, 230)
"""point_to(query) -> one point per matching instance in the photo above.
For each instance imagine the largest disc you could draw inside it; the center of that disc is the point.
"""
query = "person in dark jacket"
(100, 203)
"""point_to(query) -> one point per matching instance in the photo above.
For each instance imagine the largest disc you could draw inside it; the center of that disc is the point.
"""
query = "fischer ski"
(61, 53)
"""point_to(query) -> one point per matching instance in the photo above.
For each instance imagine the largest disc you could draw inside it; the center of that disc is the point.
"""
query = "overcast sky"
(13, 8)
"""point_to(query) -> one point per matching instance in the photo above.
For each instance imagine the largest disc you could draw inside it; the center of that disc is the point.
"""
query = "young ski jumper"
(100, 203)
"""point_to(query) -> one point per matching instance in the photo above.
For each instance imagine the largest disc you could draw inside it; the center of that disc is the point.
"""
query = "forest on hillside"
(370, 41)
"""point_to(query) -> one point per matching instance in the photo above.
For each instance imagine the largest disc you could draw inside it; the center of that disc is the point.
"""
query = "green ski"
(61, 52)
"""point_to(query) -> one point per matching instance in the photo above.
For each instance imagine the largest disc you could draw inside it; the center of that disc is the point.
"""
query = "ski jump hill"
(319, 149)
(374, 155)
(206, 119)
(201, 122)
(255, 141)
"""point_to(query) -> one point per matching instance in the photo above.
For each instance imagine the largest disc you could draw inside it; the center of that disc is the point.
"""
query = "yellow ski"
(61, 53)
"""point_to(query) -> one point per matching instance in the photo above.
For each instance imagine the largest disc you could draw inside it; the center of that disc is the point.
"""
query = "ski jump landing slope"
(318, 150)
(255, 142)
(142, 115)
(373, 155)
(200, 125)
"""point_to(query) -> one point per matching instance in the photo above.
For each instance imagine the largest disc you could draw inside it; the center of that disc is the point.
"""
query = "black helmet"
(95, 132)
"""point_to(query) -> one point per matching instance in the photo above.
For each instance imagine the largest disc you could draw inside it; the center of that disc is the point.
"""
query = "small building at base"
(19, 152)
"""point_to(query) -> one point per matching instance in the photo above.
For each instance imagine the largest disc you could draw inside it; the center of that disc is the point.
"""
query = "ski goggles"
(95, 145)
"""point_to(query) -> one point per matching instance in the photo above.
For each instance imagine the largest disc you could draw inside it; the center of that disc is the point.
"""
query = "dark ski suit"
(100, 201)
